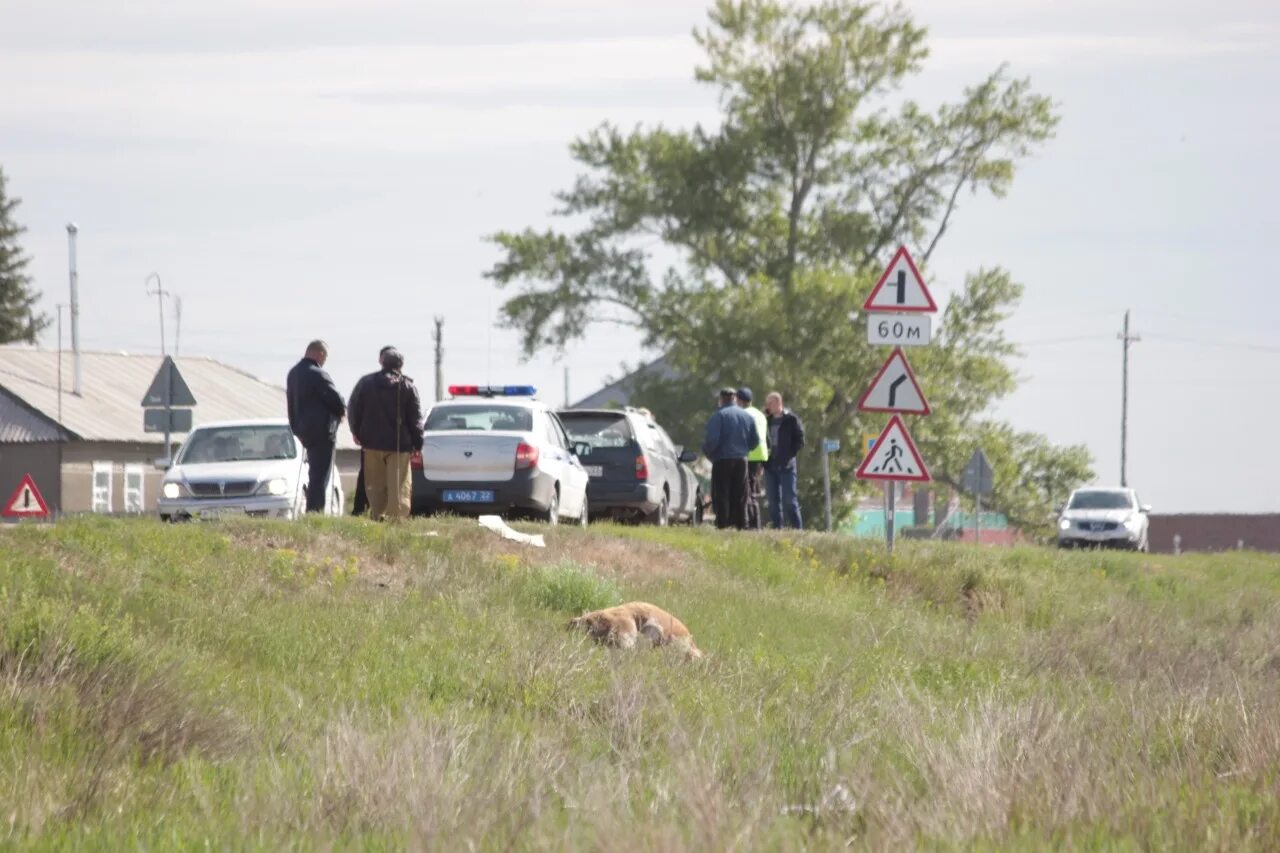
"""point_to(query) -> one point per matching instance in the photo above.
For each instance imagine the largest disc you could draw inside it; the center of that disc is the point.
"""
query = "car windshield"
(489, 418)
(238, 443)
(1100, 500)
(597, 430)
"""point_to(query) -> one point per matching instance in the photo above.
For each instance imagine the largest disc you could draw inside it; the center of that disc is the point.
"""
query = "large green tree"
(774, 225)
(18, 320)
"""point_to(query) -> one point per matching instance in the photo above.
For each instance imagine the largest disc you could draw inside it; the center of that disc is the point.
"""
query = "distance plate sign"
(900, 330)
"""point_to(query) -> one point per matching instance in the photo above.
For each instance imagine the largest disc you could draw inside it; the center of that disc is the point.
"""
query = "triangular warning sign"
(168, 388)
(26, 501)
(901, 288)
(895, 389)
(894, 457)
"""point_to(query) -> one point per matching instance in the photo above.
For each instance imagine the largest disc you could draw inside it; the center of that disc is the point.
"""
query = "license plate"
(220, 512)
(465, 496)
(595, 470)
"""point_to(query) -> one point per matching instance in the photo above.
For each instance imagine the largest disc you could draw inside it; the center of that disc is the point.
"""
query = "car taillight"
(526, 456)
(415, 461)
(642, 468)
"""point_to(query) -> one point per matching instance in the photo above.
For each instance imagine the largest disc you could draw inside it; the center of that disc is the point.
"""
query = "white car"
(496, 450)
(250, 468)
(1104, 516)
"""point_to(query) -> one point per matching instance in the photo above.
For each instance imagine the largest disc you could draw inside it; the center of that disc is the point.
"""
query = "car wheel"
(662, 515)
(552, 513)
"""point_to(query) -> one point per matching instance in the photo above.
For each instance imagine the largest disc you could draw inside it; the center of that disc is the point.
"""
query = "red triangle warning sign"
(26, 501)
(894, 457)
(895, 389)
(901, 288)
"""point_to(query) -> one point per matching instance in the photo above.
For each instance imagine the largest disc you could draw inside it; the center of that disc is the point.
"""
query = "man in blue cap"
(731, 433)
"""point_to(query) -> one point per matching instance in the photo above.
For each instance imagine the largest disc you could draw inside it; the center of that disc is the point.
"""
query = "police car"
(497, 450)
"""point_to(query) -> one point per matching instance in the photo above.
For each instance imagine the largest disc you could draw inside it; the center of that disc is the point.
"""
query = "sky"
(331, 168)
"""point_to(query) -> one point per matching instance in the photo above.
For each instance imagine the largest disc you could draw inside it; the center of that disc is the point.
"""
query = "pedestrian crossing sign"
(894, 457)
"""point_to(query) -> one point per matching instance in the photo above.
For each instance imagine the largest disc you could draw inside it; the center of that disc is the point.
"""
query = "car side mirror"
(581, 449)
(1145, 508)
(688, 456)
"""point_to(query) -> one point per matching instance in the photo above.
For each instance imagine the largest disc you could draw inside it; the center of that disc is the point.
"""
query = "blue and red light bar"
(492, 391)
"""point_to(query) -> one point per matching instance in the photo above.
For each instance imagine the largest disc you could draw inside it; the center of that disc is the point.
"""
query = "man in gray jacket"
(731, 433)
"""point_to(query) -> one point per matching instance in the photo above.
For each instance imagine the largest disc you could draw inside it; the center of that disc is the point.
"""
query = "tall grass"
(338, 683)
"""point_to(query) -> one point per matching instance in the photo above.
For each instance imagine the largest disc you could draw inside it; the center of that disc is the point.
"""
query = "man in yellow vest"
(756, 458)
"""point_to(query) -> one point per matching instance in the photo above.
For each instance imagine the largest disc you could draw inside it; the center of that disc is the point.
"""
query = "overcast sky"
(330, 168)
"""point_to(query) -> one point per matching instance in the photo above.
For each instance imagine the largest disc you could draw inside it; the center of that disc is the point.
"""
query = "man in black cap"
(315, 410)
(755, 460)
(731, 433)
(386, 421)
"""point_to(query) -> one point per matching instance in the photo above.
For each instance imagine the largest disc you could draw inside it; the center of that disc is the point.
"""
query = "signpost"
(829, 446)
(978, 479)
(168, 391)
(893, 456)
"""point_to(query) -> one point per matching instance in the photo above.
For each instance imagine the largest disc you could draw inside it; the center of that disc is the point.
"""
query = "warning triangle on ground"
(895, 389)
(894, 457)
(26, 501)
(168, 388)
(901, 288)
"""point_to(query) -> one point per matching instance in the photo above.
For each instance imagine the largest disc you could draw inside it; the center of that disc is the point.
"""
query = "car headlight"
(1064, 524)
(172, 490)
(277, 487)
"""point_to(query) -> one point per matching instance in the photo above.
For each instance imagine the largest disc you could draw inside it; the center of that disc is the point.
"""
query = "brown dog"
(622, 626)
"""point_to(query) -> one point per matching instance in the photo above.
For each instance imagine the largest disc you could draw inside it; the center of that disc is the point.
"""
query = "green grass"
(343, 684)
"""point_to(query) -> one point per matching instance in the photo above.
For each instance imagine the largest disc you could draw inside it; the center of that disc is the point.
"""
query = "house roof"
(618, 394)
(114, 384)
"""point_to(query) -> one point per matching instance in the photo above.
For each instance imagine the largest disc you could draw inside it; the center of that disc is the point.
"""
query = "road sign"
(869, 442)
(168, 388)
(978, 477)
(830, 445)
(894, 457)
(895, 389)
(900, 330)
(178, 420)
(26, 501)
(901, 288)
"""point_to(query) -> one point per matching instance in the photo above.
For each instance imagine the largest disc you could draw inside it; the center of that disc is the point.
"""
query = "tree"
(779, 220)
(18, 320)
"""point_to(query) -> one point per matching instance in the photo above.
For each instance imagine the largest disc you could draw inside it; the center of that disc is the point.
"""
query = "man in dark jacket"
(786, 438)
(360, 506)
(731, 433)
(386, 421)
(315, 410)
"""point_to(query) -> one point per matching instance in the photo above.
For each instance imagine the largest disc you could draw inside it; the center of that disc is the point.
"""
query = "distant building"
(618, 394)
(88, 452)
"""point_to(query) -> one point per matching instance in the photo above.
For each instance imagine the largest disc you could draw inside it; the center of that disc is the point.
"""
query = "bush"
(572, 589)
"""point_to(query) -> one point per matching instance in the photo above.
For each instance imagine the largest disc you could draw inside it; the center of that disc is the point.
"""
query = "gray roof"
(114, 383)
(618, 394)
(20, 425)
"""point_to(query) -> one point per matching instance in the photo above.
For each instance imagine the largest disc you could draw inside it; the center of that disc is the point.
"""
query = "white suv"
(495, 450)
(1101, 516)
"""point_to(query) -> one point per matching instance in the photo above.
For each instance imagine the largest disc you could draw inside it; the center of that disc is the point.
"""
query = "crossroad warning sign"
(895, 389)
(901, 288)
(894, 457)
(26, 501)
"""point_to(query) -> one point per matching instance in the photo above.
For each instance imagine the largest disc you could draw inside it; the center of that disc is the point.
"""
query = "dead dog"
(621, 626)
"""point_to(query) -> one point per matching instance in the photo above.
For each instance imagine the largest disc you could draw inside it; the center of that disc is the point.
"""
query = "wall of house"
(122, 461)
(1215, 532)
(38, 460)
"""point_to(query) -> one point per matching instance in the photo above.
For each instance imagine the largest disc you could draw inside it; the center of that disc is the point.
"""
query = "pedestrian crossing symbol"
(894, 457)
(26, 501)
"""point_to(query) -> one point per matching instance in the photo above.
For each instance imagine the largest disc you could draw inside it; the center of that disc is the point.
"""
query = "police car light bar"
(492, 390)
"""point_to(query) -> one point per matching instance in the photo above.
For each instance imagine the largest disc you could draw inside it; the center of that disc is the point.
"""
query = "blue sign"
(830, 445)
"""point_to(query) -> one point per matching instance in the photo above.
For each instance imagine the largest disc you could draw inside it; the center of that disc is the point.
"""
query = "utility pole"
(566, 386)
(177, 316)
(439, 339)
(160, 293)
(1127, 339)
(72, 230)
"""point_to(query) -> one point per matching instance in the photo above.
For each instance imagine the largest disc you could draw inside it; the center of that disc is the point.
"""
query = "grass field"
(341, 684)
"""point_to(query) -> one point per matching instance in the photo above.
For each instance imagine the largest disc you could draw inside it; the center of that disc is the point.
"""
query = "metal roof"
(617, 394)
(114, 384)
(20, 425)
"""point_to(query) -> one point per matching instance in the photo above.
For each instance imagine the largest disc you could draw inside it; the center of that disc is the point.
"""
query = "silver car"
(245, 468)
(1104, 517)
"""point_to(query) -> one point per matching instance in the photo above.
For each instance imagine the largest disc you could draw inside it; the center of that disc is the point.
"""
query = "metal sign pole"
(168, 417)
(977, 517)
(826, 483)
(889, 499)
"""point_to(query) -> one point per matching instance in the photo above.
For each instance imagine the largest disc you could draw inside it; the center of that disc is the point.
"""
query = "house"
(88, 452)
(618, 394)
